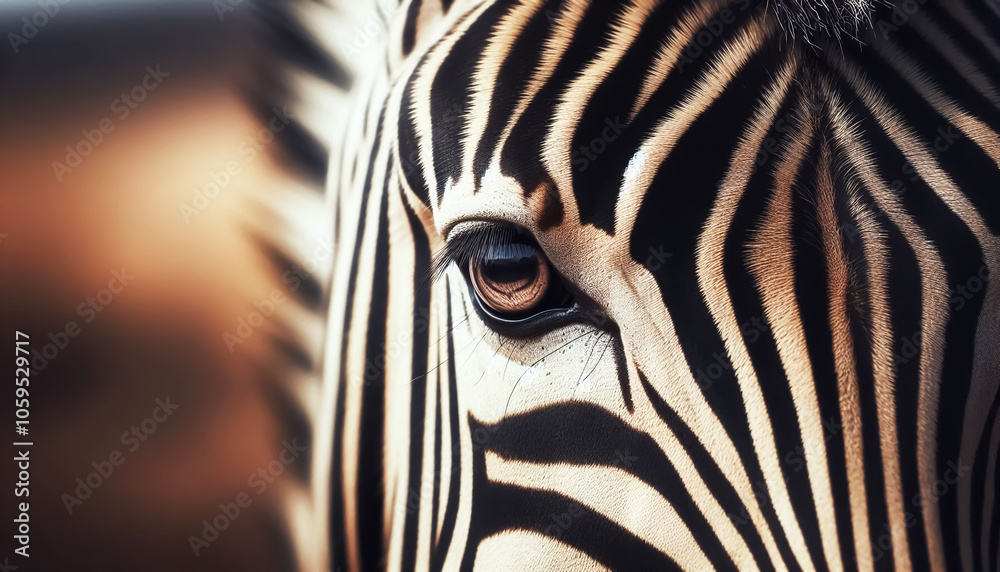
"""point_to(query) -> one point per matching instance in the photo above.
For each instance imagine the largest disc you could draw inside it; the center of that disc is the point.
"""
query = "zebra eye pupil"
(510, 278)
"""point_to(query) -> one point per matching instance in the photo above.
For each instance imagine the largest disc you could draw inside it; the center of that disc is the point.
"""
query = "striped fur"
(790, 357)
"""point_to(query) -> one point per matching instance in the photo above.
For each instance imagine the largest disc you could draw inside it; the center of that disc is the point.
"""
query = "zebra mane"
(810, 20)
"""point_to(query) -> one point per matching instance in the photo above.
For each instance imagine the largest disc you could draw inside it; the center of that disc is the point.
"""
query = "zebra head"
(651, 285)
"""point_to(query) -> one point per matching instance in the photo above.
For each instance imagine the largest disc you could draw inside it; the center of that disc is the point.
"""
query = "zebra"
(650, 285)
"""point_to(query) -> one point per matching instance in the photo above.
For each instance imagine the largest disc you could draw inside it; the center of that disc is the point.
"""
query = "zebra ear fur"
(813, 19)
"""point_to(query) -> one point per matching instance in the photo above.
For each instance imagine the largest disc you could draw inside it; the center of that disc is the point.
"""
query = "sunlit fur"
(791, 357)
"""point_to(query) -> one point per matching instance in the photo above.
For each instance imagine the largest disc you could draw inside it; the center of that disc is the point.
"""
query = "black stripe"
(987, 18)
(946, 78)
(859, 327)
(451, 508)
(287, 37)
(500, 507)
(961, 257)
(282, 552)
(451, 94)
(299, 150)
(410, 26)
(994, 538)
(509, 85)
(521, 156)
(968, 43)
(588, 435)
(978, 483)
(904, 299)
(812, 295)
(409, 144)
(573, 432)
(338, 525)
(797, 480)
(621, 368)
(296, 428)
(602, 144)
(862, 334)
(721, 489)
(436, 495)
(421, 337)
(371, 444)
(966, 163)
(757, 335)
(302, 285)
(671, 217)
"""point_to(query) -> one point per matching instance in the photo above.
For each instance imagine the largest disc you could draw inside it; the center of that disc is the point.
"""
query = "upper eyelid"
(456, 250)
(461, 245)
(443, 258)
(467, 240)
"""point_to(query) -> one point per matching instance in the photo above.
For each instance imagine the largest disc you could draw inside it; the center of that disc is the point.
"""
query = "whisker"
(516, 383)
(584, 368)
(487, 368)
(450, 330)
(599, 358)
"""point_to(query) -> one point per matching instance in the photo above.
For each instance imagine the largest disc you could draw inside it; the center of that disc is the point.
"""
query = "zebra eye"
(511, 278)
(514, 288)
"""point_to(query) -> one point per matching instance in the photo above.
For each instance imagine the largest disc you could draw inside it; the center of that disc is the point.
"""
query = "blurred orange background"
(129, 207)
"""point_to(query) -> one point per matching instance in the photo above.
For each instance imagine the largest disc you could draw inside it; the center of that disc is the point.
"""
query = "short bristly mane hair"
(812, 20)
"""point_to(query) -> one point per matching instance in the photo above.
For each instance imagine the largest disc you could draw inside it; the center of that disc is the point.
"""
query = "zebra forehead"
(563, 100)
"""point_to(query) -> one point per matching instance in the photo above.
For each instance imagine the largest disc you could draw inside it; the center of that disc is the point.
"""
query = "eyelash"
(465, 245)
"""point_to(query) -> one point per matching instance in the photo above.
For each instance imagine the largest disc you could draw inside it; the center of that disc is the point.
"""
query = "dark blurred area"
(139, 158)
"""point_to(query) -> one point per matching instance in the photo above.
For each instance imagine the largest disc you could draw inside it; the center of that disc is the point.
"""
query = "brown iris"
(510, 278)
